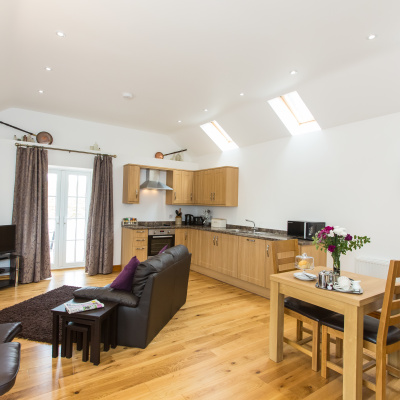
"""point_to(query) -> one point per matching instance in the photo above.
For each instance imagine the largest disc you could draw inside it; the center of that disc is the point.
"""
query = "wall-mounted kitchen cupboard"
(208, 187)
(181, 182)
(131, 186)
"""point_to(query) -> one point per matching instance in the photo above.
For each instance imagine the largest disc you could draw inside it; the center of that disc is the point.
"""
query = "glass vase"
(336, 266)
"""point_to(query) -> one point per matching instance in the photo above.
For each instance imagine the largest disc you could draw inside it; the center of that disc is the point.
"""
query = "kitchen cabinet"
(181, 237)
(194, 245)
(252, 260)
(131, 185)
(134, 243)
(182, 184)
(217, 187)
(225, 255)
(311, 250)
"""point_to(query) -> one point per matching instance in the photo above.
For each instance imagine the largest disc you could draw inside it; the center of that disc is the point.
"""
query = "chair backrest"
(284, 255)
(390, 314)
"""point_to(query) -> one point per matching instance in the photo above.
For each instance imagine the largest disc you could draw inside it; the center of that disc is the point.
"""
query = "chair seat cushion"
(9, 365)
(9, 330)
(308, 310)
(371, 326)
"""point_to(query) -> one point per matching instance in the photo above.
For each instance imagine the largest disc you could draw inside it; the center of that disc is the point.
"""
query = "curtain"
(100, 231)
(30, 213)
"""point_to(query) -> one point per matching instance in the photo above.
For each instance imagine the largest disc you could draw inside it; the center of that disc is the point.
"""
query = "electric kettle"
(189, 219)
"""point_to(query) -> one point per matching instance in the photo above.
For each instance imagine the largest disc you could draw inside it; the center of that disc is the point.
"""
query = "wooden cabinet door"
(218, 182)
(187, 187)
(226, 254)
(131, 185)
(133, 243)
(194, 245)
(207, 240)
(181, 237)
(311, 250)
(251, 260)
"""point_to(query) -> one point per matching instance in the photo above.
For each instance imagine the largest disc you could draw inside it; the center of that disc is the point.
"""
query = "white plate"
(339, 289)
(304, 277)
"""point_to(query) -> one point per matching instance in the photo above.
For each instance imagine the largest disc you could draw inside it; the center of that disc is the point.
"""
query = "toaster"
(218, 223)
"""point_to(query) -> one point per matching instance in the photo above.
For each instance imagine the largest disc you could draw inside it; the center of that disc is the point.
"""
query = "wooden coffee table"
(94, 318)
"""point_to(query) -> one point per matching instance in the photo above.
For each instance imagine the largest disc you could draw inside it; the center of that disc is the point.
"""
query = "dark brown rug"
(35, 313)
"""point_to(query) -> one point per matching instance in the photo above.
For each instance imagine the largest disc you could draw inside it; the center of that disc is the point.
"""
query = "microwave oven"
(303, 229)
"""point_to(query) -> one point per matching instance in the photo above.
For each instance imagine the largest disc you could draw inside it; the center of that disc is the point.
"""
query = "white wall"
(347, 176)
(130, 146)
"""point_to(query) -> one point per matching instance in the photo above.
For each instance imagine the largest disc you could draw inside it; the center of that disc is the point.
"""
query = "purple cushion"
(163, 249)
(125, 278)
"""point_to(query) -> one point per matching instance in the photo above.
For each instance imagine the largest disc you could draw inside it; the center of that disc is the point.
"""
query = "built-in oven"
(159, 238)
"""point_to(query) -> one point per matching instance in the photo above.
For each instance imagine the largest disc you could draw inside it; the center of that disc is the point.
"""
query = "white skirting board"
(377, 268)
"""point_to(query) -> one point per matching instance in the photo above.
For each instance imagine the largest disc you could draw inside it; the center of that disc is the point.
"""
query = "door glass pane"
(80, 251)
(81, 211)
(72, 183)
(52, 184)
(52, 202)
(71, 229)
(82, 185)
(71, 213)
(80, 229)
(70, 252)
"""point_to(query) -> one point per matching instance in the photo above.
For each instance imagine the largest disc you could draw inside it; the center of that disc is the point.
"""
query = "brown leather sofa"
(159, 291)
(10, 354)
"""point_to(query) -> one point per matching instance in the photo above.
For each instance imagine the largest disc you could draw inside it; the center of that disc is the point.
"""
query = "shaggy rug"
(35, 313)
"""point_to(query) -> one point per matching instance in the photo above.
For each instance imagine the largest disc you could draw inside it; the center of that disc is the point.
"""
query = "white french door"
(69, 200)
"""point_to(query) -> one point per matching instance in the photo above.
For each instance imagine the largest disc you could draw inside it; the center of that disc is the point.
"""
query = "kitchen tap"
(254, 224)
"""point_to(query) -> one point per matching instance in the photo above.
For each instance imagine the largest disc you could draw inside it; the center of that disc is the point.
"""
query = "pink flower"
(348, 237)
(329, 228)
(331, 248)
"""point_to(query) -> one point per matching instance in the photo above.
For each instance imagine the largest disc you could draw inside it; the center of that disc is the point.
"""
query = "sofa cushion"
(145, 269)
(9, 365)
(107, 294)
(163, 249)
(125, 278)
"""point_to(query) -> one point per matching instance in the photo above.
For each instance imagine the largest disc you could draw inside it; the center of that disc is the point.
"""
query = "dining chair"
(380, 336)
(284, 255)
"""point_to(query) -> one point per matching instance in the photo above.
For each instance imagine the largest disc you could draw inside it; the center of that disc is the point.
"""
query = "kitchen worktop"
(237, 230)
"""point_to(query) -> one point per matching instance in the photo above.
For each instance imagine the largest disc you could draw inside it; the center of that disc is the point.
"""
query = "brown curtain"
(100, 232)
(30, 214)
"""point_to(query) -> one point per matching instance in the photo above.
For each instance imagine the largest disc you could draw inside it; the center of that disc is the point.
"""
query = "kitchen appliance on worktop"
(303, 229)
(189, 219)
(198, 220)
(218, 223)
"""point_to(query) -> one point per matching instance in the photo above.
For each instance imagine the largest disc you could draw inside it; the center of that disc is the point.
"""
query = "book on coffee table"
(78, 307)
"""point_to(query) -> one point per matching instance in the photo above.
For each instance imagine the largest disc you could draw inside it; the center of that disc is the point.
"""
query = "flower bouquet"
(337, 241)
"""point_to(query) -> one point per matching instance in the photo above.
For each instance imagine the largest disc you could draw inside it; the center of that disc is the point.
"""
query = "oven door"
(157, 242)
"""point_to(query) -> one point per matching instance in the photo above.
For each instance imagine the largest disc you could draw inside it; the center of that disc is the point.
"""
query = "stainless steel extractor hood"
(153, 181)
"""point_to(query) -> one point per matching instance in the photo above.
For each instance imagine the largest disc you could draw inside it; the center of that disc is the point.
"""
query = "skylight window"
(295, 115)
(219, 136)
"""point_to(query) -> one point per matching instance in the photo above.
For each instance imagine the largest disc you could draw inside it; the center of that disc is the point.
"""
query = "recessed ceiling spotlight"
(179, 121)
(60, 34)
(41, 91)
(241, 94)
(48, 68)
(205, 110)
(294, 72)
(371, 36)
(127, 95)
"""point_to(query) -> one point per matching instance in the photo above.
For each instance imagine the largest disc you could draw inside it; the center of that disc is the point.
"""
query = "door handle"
(214, 240)
(140, 231)
(214, 196)
(250, 240)
(174, 195)
(140, 240)
(139, 248)
(137, 192)
(267, 250)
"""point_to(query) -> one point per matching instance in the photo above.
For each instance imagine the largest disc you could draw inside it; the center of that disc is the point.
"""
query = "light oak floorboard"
(215, 347)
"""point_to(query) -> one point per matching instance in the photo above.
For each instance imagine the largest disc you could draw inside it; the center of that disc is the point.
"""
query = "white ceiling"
(178, 57)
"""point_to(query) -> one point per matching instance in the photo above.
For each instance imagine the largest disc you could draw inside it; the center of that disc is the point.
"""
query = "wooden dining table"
(352, 306)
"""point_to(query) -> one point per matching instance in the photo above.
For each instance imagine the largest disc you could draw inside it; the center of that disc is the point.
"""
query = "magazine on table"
(78, 307)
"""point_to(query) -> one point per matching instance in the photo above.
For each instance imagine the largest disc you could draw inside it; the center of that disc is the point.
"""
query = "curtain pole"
(70, 151)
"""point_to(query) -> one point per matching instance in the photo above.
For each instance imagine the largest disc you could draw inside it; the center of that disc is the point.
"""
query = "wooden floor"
(216, 347)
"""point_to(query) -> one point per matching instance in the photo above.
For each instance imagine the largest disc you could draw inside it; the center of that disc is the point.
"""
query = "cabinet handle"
(139, 248)
(140, 240)
(137, 192)
(251, 240)
(267, 250)
(210, 196)
(214, 196)
(214, 240)
(191, 196)
(140, 231)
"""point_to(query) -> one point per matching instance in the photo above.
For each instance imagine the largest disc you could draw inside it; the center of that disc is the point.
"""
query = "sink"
(234, 230)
